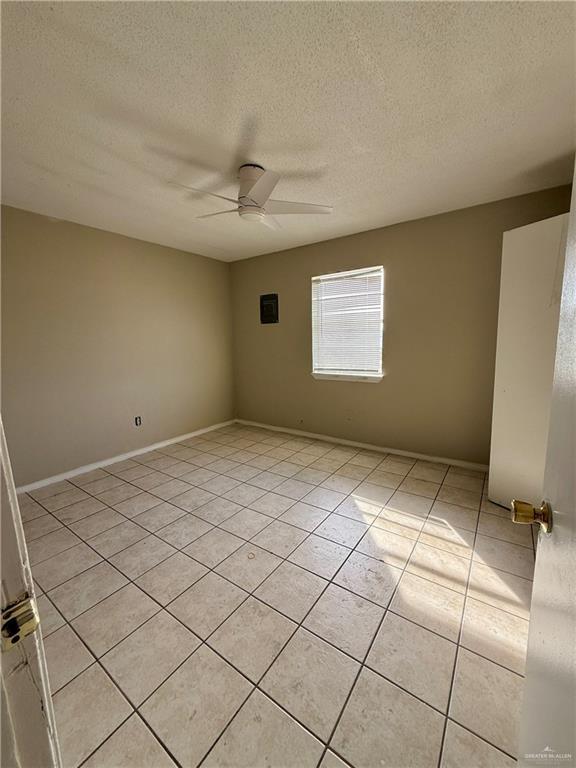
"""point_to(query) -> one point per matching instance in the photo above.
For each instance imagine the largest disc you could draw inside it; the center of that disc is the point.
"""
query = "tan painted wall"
(98, 328)
(441, 305)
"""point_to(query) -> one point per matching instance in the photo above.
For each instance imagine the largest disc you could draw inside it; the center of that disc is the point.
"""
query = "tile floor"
(251, 598)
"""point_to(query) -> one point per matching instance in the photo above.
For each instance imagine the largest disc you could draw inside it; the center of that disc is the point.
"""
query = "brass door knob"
(524, 513)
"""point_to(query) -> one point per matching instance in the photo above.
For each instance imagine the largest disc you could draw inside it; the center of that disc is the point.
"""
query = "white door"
(530, 290)
(548, 723)
(28, 728)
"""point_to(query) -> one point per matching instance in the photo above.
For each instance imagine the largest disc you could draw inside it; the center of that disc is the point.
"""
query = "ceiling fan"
(254, 201)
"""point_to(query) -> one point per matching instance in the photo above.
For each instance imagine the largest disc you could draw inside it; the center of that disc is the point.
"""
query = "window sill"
(368, 378)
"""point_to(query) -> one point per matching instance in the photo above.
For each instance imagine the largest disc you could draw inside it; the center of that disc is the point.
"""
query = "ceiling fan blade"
(218, 213)
(271, 223)
(285, 206)
(203, 192)
(261, 190)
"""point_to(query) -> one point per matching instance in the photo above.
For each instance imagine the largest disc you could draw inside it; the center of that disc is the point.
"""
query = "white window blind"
(347, 320)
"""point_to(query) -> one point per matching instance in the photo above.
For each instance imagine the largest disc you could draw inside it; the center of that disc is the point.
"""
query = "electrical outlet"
(138, 421)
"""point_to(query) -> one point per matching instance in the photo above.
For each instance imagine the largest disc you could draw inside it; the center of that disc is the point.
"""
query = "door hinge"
(19, 619)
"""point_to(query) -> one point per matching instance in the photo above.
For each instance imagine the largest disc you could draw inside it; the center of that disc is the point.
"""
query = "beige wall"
(441, 305)
(97, 329)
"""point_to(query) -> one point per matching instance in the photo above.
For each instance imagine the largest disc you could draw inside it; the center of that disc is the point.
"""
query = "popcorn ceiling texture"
(388, 111)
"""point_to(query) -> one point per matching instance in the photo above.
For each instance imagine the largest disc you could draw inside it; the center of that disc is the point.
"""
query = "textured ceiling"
(388, 111)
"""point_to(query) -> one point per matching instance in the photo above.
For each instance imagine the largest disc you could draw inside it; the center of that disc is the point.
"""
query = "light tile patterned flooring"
(251, 598)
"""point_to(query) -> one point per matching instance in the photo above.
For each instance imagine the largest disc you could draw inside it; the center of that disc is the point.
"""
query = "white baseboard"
(121, 457)
(366, 446)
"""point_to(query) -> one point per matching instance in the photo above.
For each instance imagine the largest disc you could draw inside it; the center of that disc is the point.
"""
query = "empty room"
(288, 386)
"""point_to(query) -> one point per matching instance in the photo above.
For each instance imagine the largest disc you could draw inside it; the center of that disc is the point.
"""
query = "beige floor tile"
(311, 679)
(252, 637)
(320, 556)
(183, 531)
(50, 619)
(347, 621)
(118, 538)
(159, 646)
(493, 633)
(272, 504)
(206, 604)
(462, 748)
(312, 476)
(409, 504)
(386, 479)
(51, 490)
(189, 710)
(111, 620)
(419, 487)
(117, 494)
(372, 493)
(486, 698)
(494, 509)
(460, 496)
(95, 524)
(426, 470)
(429, 604)
(341, 484)
(353, 472)
(359, 509)
(386, 546)
(400, 465)
(409, 735)
(504, 556)
(244, 494)
(291, 590)
(142, 556)
(77, 511)
(159, 516)
(457, 479)
(50, 573)
(341, 529)
(267, 481)
(303, 516)
(439, 566)
(137, 504)
(400, 523)
(54, 503)
(417, 660)
(220, 484)
(369, 578)
(51, 544)
(133, 745)
(502, 528)
(85, 590)
(324, 498)
(262, 734)
(213, 547)
(501, 589)
(217, 510)
(66, 656)
(199, 476)
(330, 760)
(458, 541)
(288, 469)
(151, 480)
(171, 577)
(242, 472)
(248, 566)
(172, 488)
(40, 526)
(30, 509)
(246, 523)
(192, 499)
(294, 489)
(87, 710)
(279, 538)
(454, 515)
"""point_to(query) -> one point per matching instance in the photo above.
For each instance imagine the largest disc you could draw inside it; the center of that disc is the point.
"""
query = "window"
(347, 321)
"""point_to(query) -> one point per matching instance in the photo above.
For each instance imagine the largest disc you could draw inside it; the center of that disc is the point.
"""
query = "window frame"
(373, 378)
